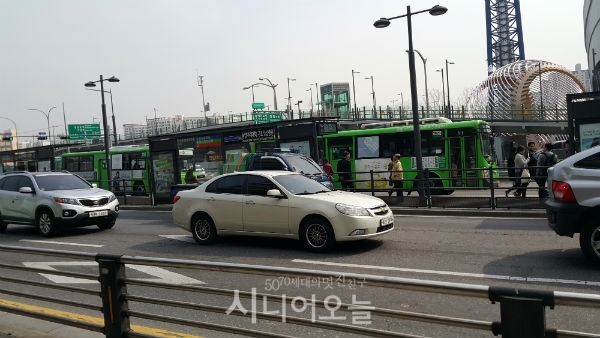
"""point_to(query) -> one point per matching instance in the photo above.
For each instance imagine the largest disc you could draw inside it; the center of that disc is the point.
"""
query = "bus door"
(462, 157)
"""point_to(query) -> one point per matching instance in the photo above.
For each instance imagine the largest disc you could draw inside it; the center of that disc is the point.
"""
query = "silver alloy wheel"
(316, 235)
(589, 240)
(203, 229)
(45, 223)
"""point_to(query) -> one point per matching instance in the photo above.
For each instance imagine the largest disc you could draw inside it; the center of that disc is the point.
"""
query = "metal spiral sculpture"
(520, 89)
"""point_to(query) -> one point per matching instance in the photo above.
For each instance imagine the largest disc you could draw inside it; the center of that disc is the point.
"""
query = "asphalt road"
(516, 252)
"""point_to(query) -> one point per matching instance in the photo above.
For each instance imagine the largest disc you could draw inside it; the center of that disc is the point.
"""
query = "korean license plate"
(387, 220)
(98, 213)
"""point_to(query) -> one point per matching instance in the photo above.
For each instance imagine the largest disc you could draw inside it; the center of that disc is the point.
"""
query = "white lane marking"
(162, 275)
(453, 273)
(182, 238)
(61, 243)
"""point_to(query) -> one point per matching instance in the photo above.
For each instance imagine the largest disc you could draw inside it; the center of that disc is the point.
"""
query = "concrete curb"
(515, 213)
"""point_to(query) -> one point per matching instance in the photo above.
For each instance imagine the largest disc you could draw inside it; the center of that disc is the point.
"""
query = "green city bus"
(454, 153)
(129, 164)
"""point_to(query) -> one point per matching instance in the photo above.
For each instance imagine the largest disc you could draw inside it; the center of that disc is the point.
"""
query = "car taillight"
(175, 199)
(562, 192)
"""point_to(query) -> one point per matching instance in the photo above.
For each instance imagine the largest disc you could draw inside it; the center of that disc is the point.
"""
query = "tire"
(589, 240)
(317, 235)
(436, 186)
(3, 227)
(106, 225)
(203, 229)
(45, 223)
(139, 189)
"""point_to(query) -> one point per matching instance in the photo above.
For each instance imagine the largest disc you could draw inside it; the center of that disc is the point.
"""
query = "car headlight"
(111, 198)
(64, 200)
(352, 210)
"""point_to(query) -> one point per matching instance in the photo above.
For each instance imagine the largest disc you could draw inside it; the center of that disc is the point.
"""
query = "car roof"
(578, 156)
(270, 173)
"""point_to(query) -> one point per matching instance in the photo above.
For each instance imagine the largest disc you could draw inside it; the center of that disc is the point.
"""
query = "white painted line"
(453, 273)
(182, 238)
(162, 275)
(61, 243)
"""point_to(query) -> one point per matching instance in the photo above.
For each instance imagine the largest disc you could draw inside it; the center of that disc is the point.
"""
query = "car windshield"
(300, 185)
(305, 165)
(60, 182)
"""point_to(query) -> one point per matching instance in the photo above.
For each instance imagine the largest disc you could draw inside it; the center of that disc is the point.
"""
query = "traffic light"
(7, 138)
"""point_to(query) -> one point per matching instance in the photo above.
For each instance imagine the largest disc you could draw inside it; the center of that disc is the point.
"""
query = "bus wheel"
(139, 189)
(436, 187)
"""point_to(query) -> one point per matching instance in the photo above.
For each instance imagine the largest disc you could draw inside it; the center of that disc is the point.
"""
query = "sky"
(157, 48)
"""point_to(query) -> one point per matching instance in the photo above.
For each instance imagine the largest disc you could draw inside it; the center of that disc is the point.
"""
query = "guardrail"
(476, 189)
(122, 299)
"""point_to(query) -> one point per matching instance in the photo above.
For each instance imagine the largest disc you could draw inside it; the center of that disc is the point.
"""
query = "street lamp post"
(401, 103)
(318, 98)
(354, 94)
(425, 72)
(448, 86)
(105, 126)
(251, 87)
(443, 91)
(112, 110)
(384, 22)
(273, 87)
(289, 105)
(298, 104)
(200, 79)
(595, 77)
(47, 114)
(372, 93)
(311, 100)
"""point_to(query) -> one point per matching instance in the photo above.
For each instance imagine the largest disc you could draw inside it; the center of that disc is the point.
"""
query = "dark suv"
(51, 200)
(574, 202)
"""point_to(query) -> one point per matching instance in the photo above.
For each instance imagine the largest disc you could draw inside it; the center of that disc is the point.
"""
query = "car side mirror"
(26, 190)
(275, 193)
(94, 185)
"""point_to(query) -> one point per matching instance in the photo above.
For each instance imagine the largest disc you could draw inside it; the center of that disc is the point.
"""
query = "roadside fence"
(123, 301)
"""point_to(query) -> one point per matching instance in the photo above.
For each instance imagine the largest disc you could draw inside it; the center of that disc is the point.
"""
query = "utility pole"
(200, 79)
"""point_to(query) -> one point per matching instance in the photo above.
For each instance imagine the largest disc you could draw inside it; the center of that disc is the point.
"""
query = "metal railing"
(120, 299)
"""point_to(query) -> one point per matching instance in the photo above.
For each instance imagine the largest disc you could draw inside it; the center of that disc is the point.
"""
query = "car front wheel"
(45, 223)
(203, 229)
(106, 225)
(317, 235)
(589, 240)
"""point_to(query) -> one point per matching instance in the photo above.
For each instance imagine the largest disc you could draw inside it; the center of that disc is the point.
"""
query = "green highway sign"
(87, 131)
(266, 117)
(258, 105)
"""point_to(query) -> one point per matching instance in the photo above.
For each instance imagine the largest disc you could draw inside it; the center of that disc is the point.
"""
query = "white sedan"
(279, 204)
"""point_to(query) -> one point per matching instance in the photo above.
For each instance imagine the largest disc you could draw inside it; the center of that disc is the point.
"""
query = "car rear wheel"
(3, 227)
(203, 229)
(589, 240)
(45, 223)
(317, 235)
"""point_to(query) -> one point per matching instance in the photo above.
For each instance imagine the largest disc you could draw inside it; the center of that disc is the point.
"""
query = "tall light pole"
(47, 114)
(448, 85)
(318, 98)
(200, 79)
(289, 107)
(112, 110)
(372, 93)
(595, 77)
(401, 104)
(105, 125)
(273, 87)
(425, 72)
(251, 87)
(354, 94)
(311, 100)
(384, 22)
(443, 91)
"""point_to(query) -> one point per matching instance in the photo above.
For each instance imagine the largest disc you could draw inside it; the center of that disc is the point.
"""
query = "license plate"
(98, 213)
(387, 220)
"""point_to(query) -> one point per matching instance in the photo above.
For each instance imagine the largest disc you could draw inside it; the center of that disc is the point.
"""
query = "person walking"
(397, 177)
(520, 185)
(510, 164)
(328, 169)
(345, 172)
(546, 160)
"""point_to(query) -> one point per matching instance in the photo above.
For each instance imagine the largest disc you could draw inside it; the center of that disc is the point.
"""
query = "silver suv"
(574, 202)
(51, 200)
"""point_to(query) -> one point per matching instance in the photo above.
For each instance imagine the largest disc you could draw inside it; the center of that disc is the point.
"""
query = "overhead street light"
(112, 109)
(425, 72)
(273, 87)
(382, 23)
(289, 106)
(105, 126)
(354, 94)
(252, 87)
(47, 115)
(443, 91)
(372, 93)
(448, 85)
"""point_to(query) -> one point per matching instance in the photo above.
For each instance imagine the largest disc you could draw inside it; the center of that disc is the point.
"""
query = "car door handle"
(211, 199)
(250, 203)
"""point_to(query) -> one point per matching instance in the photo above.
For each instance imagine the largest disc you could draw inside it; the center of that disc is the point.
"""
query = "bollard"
(113, 291)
